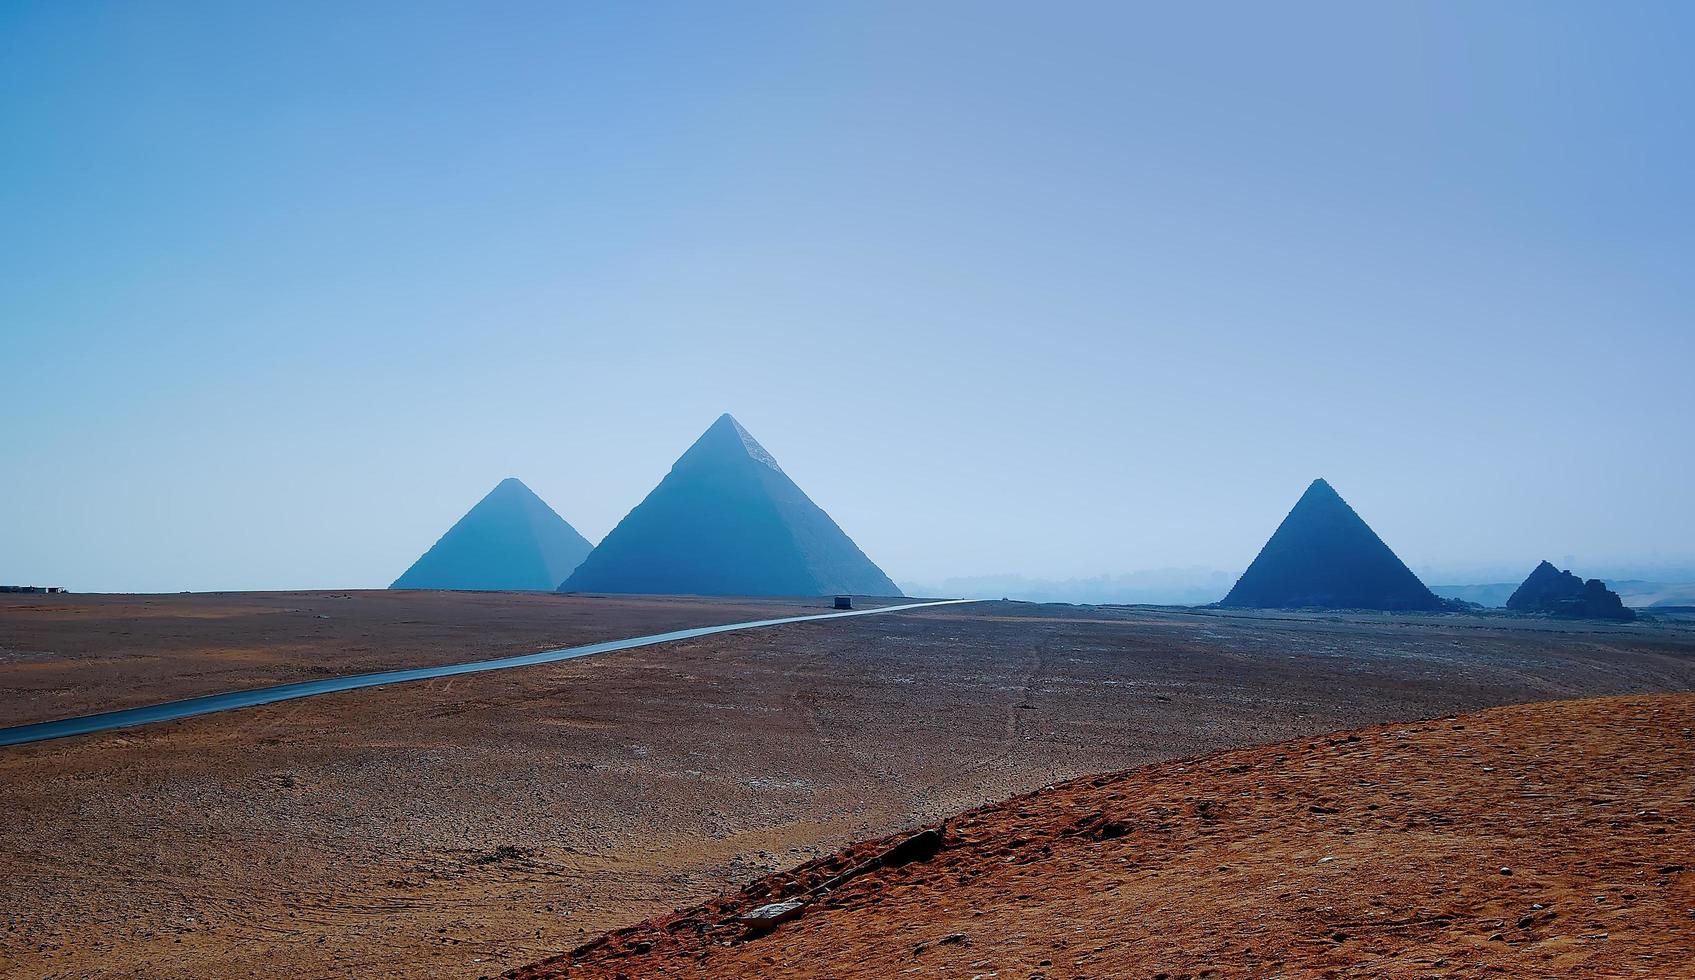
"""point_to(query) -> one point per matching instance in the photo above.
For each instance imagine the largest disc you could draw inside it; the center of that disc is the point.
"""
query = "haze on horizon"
(1006, 289)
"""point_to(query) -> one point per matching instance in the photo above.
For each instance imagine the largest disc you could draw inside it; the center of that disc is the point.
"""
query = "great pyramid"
(1324, 556)
(510, 540)
(727, 521)
(1549, 590)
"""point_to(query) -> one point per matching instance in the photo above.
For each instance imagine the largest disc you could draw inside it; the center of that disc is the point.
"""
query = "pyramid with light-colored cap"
(728, 521)
(1324, 556)
(511, 540)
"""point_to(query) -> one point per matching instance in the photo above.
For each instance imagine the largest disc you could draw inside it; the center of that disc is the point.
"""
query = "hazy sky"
(1043, 288)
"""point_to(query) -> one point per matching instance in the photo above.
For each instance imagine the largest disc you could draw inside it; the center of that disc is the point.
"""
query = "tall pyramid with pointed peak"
(1323, 555)
(511, 540)
(728, 521)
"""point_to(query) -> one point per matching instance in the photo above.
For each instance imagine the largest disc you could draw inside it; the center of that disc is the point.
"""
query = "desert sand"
(75, 654)
(469, 826)
(1545, 840)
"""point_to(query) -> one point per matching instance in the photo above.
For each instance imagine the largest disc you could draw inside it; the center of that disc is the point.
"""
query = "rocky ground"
(468, 826)
(1546, 840)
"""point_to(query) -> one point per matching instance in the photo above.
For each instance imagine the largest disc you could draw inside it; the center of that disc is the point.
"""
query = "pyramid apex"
(1319, 493)
(724, 439)
(506, 488)
(728, 422)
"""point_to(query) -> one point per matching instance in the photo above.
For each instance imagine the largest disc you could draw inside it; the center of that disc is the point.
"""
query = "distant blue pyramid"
(727, 521)
(510, 540)
(1323, 555)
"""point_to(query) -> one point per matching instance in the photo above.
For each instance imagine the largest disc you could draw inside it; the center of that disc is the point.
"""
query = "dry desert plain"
(1540, 840)
(469, 826)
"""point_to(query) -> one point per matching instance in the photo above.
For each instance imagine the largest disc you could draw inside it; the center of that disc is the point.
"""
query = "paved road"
(231, 700)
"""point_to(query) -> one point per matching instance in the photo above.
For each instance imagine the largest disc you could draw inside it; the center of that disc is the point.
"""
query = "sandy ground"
(1547, 840)
(66, 655)
(466, 826)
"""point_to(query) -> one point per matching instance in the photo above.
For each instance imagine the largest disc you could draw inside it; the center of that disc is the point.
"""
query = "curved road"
(231, 700)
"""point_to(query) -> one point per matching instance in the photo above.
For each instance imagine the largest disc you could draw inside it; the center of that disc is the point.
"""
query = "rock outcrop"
(1549, 590)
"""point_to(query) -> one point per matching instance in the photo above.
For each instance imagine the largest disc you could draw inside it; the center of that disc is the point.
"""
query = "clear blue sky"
(1042, 288)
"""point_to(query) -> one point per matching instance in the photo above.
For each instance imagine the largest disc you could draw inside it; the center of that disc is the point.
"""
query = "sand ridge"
(1546, 840)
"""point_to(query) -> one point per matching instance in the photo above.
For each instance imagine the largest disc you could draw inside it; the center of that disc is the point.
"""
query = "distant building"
(728, 521)
(844, 602)
(511, 540)
(33, 589)
(1323, 556)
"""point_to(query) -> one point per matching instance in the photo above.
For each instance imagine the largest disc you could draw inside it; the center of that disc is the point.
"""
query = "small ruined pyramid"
(1324, 556)
(1562, 594)
(511, 540)
(727, 521)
